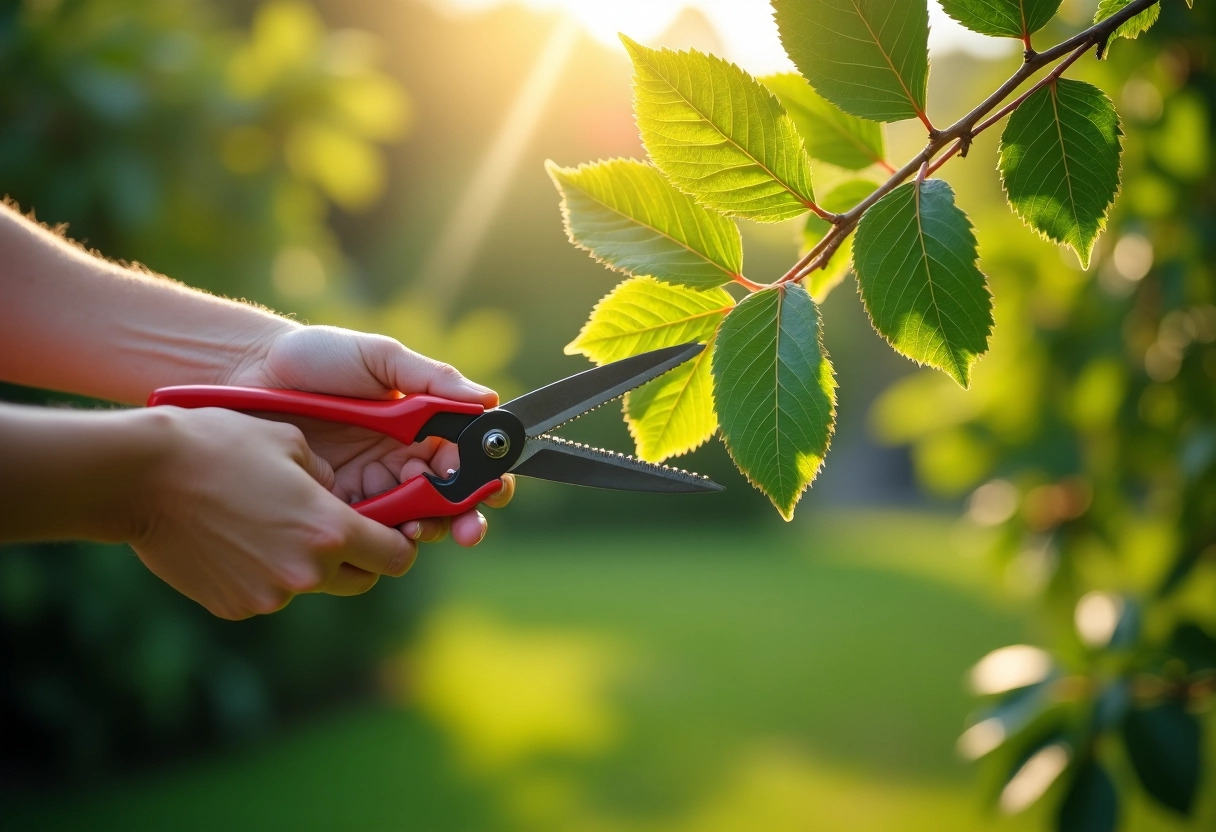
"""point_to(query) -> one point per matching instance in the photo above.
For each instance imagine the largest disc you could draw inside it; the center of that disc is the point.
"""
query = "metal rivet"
(496, 444)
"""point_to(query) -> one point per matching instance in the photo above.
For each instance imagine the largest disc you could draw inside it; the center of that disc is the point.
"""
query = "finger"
(407, 371)
(317, 468)
(377, 479)
(430, 530)
(446, 457)
(503, 496)
(376, 548)
(349, 580)
(469, 528)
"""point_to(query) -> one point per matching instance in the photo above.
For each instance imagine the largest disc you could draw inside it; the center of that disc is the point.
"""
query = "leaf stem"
(957, 137)
(822, 214)
(750, 285)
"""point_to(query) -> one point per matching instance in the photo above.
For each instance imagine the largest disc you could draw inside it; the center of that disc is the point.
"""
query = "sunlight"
(745, 27)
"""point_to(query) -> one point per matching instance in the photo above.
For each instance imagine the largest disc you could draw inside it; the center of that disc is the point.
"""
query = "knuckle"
(325, 538)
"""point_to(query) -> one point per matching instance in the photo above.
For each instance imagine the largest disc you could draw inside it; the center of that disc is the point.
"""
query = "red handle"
(414, 499)
(417, 498)
(399, 418)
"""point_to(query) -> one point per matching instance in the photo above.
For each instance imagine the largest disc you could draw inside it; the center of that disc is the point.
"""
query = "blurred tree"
(1089, 444)
(159, 131)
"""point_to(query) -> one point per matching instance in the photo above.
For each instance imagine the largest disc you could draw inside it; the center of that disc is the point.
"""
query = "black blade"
(559, 402)
(551, 458)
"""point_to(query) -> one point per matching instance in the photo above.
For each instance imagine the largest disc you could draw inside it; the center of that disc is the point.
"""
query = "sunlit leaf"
(1163, 744)
(719, 134)
(868, 57)
(828, 133)
(674, 413)
(915, 256)
(775, 392)
(1091, 804)
(627, 215)
(1002, 18)
(843, 197)
(1059, 161)
(1130, 29)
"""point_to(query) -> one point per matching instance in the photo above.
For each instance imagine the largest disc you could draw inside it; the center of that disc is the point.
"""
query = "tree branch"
(958, 136)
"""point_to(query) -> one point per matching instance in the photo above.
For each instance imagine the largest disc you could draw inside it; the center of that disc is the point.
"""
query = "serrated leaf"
(775, 392)
(829, 134)
(1163, 744)
(1002, 18)
(674, 413)
(1132, 28)
(626, 214)
(868, 57)
(719, 134)
(844, 196)
(1091, 804)
(914, 255)
(1059, 162)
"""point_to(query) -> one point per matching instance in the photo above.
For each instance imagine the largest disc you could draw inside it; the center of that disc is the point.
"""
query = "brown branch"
(958, 136)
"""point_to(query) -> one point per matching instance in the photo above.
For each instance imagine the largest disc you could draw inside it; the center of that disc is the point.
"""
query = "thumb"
(317, 468)
(406, 371)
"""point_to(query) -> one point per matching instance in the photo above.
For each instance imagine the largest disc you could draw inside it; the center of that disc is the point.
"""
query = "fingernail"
(413, 530)
(478, 388)
(484, 526)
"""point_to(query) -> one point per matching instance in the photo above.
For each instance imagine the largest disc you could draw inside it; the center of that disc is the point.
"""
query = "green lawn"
(804, 677)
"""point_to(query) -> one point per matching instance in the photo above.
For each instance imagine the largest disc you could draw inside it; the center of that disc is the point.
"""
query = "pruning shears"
(509, 438)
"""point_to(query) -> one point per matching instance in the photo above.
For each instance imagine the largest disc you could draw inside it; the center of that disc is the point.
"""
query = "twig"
(958, 136)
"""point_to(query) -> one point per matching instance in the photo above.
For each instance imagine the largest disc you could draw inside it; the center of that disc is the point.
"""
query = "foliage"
(1095, 433)
(725, 146)
(1099, 479)
(160, 131)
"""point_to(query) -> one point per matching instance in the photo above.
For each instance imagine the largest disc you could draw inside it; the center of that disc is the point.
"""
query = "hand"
(343, 362)
(236, 513)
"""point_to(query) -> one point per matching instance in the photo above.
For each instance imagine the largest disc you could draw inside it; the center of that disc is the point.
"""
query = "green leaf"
(915, 256)
(868, 57)
(843, 197)
(1163, 744)
(1059, 162)
(1002, 18)
(775, 392)
(627, 215)
(1091, 804)
(1132, 28)
(719, 134)
(674, 413)
(828, 133)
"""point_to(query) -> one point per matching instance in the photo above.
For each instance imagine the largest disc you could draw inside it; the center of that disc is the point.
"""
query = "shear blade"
(559, 402)
(551, 458)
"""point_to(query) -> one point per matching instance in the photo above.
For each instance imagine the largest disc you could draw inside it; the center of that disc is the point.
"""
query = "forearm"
(76, 474)
(73, 322)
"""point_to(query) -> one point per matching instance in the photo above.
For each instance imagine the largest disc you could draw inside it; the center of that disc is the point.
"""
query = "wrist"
(252, 351)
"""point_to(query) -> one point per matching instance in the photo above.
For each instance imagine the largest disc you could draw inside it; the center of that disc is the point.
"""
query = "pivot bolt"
(495, 443)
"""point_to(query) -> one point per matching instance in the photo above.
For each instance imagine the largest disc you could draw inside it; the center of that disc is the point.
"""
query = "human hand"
(236, 513)
(343, 362)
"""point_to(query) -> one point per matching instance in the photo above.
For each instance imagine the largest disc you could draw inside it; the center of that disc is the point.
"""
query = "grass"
(805, 677)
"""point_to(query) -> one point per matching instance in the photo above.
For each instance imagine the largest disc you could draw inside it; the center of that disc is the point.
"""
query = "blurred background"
(606, 661)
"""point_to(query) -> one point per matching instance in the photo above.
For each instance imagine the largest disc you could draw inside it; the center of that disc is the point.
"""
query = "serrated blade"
(551, 458)
(559, 402)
